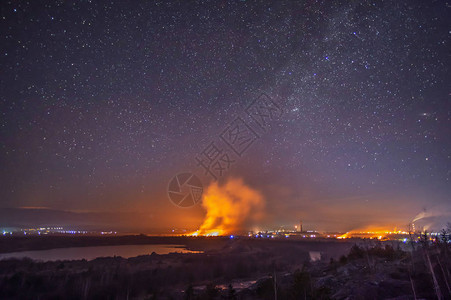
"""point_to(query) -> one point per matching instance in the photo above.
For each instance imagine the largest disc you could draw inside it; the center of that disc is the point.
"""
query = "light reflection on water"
(90, 253)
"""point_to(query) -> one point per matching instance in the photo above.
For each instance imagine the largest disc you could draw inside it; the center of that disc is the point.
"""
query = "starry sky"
(103, 102)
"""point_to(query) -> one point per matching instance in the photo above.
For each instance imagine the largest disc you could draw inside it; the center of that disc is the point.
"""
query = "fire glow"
(229, 207)
(372, 233)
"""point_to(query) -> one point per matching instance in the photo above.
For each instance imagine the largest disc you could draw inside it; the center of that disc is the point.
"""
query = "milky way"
(103, 102)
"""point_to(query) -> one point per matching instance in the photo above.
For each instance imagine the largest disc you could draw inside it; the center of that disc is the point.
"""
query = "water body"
(90, 253)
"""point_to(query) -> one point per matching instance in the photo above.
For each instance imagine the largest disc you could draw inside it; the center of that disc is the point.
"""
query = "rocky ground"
(241, 269)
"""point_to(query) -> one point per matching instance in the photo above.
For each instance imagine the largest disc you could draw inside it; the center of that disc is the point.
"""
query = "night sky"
(103, 102)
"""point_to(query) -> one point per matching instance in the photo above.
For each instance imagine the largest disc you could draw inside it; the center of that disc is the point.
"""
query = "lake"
(90, 253)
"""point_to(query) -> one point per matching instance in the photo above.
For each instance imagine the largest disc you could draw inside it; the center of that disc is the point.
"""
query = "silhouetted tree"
(265, 289)
(424, 240)
(231, 294)
(211, 291)
(189, 292)
(301, 288)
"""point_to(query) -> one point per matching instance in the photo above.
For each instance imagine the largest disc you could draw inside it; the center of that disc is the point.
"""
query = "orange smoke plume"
(229, 207)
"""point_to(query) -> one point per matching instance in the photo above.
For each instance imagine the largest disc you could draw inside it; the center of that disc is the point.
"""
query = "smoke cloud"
(230, 207)
(435, 218)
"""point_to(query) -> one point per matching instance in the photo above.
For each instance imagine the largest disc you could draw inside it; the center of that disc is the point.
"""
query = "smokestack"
(300, 225)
